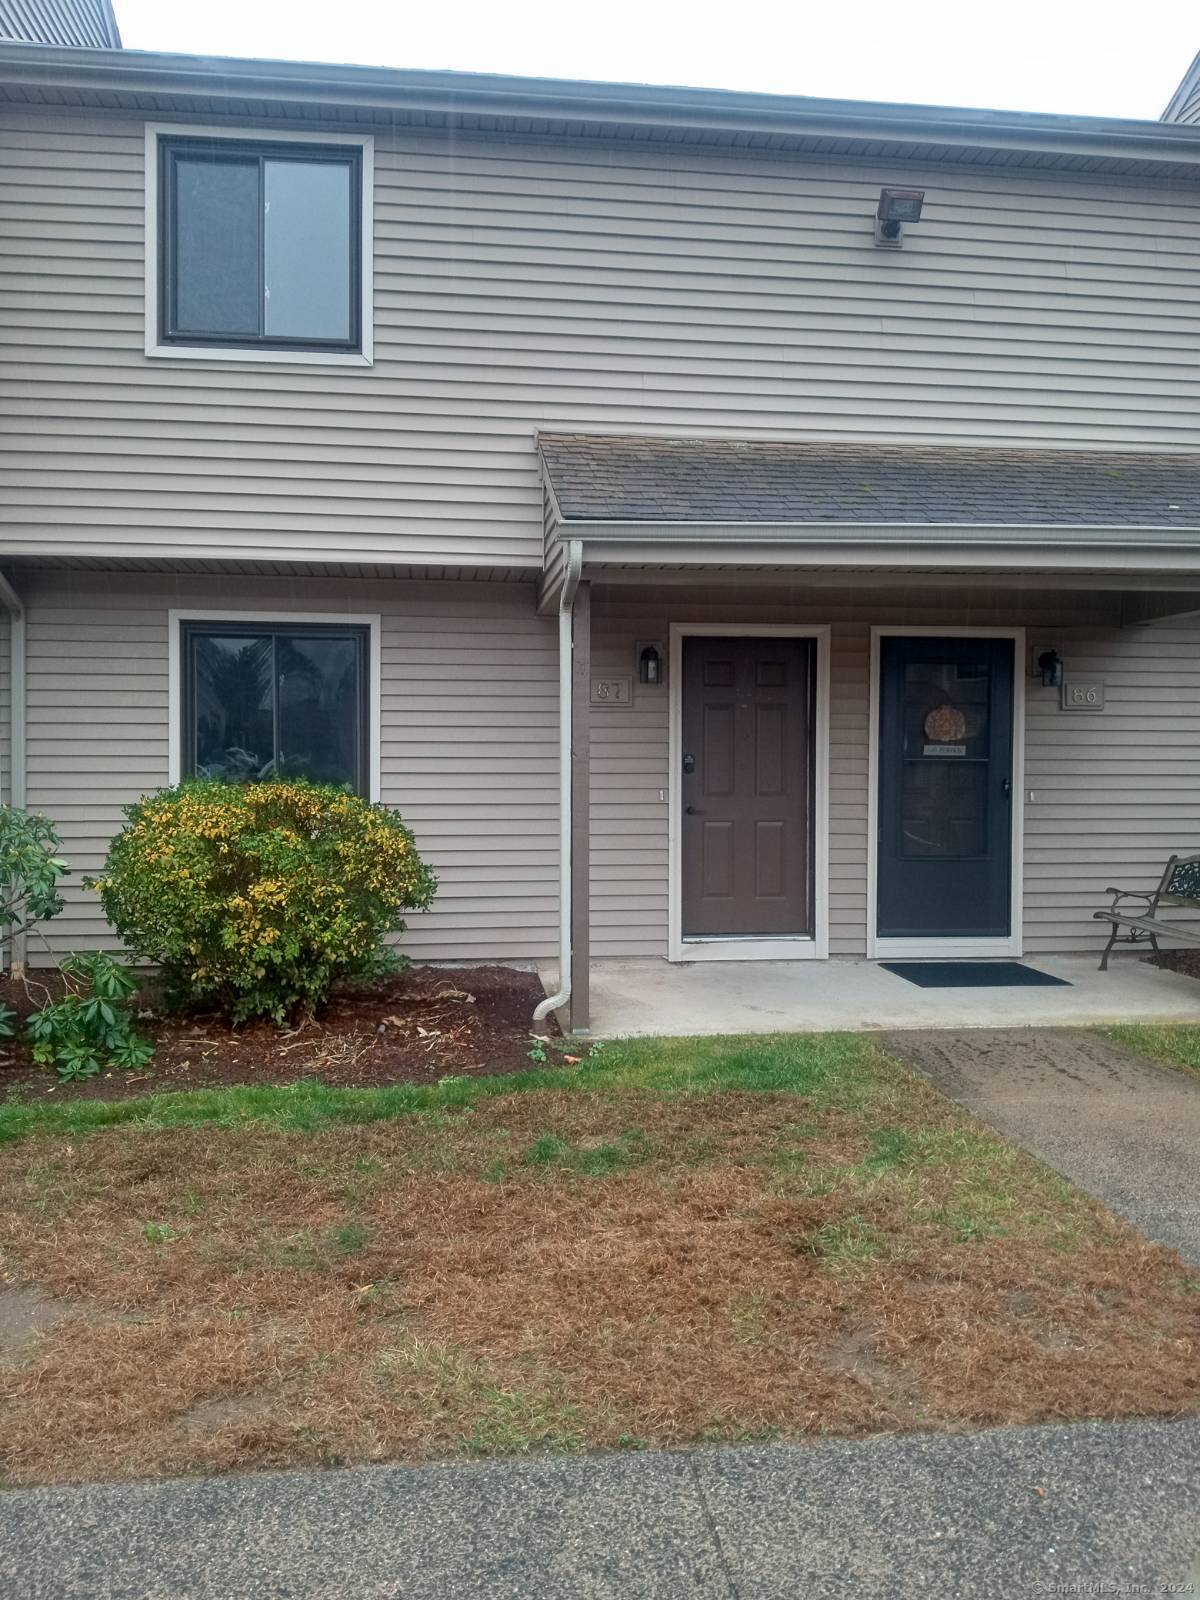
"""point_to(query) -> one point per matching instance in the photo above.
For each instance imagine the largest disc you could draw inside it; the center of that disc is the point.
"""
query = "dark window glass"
(232, 706)
(216, 246)
(276, 701)
(260, 245)
(319, 731)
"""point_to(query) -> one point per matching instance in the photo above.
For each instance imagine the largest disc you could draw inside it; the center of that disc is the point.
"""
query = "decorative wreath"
(945, 725)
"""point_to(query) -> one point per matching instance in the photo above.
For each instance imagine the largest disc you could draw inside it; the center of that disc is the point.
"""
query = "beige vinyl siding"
(1114, 793)
(85, 23)
(1118, 792)
(468, 736)
(469, 729)
(1185, 102)
(523, 285)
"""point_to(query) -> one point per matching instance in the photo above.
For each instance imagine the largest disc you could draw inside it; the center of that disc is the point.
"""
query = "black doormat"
(972, 974)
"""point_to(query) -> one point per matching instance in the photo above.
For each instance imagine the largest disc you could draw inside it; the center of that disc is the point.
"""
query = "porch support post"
(581, 782)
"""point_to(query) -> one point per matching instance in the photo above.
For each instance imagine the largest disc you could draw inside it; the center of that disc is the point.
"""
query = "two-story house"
(726, 526)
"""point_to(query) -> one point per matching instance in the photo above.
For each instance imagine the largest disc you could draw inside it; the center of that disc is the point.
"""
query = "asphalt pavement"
(1092, 1509)
(1118, 1124)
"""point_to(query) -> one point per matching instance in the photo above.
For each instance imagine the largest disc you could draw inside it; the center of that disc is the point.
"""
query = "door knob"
(694, 811)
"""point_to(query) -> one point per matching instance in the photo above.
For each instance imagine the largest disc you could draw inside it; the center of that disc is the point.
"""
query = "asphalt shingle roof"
(625, 479)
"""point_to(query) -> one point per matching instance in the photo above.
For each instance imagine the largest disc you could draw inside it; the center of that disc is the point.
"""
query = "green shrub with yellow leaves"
(254, 899)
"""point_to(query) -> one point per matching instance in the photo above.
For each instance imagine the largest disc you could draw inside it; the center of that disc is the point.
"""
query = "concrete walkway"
(1013, 1512)
(652, 996)
(1115, 1123)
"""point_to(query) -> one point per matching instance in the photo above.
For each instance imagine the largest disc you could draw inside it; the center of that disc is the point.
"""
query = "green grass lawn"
(835, 1067)
(1178, 1044)
(675, 1241)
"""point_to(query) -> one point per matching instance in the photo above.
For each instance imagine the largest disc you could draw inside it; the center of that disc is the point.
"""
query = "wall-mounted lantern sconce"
(650, 665)
(1051, 667)
(896, 207)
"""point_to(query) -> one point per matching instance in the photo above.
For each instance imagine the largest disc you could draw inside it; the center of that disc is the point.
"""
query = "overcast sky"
(1095, 57)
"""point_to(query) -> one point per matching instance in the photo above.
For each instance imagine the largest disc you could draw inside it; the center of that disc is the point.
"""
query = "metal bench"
(1179, 886)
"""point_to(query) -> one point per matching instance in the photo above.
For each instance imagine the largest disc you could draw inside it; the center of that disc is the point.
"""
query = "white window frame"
(717, 947)
(953, 947)
(250, 616)
(364, 142)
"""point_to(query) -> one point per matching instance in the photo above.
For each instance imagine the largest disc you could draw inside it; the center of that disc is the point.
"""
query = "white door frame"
(954, 947)
(734, 948)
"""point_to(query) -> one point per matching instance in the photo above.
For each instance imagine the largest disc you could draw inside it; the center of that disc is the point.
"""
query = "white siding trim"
(309, 358)
(884, 949)
(728, 949)
(252, 615)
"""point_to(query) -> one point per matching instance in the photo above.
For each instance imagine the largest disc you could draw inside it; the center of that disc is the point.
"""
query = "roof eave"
(937, 532)
(832, 555)
(654, 109)
(915, 547)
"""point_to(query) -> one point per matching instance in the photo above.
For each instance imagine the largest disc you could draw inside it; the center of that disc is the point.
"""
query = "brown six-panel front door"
(746, 787)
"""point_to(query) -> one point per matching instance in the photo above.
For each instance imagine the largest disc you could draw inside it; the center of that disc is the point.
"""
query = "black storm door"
(945, 788)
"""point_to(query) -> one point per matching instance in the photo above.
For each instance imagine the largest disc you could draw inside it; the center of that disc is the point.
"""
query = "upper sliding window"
(260, 245)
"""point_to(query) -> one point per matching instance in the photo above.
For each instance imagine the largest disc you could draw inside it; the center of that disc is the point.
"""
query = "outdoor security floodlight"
(896, 207)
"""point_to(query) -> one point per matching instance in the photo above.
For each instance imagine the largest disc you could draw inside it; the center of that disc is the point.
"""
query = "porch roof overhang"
(719, 506)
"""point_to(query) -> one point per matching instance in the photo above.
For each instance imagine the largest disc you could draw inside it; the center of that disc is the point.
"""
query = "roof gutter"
(907, 532)
(916, 561)
(634, 106)
(566, 645)
(1047, 547)
(17, 793)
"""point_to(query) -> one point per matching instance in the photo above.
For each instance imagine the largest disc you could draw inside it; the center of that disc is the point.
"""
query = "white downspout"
(11, 600)
(566, 604)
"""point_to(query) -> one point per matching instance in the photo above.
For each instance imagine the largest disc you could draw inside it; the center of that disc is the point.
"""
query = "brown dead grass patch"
(566, 1270)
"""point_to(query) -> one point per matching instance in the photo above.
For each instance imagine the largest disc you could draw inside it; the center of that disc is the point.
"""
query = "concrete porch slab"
(652, 996)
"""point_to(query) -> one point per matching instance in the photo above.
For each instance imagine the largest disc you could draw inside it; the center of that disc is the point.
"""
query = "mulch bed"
(1186, 962)
(425, 1024)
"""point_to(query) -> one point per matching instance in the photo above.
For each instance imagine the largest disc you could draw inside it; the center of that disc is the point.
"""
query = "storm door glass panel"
(215, 267)
(945, 787)
(307, 252)
(320, 697)
(944, 776)
(232, 706)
